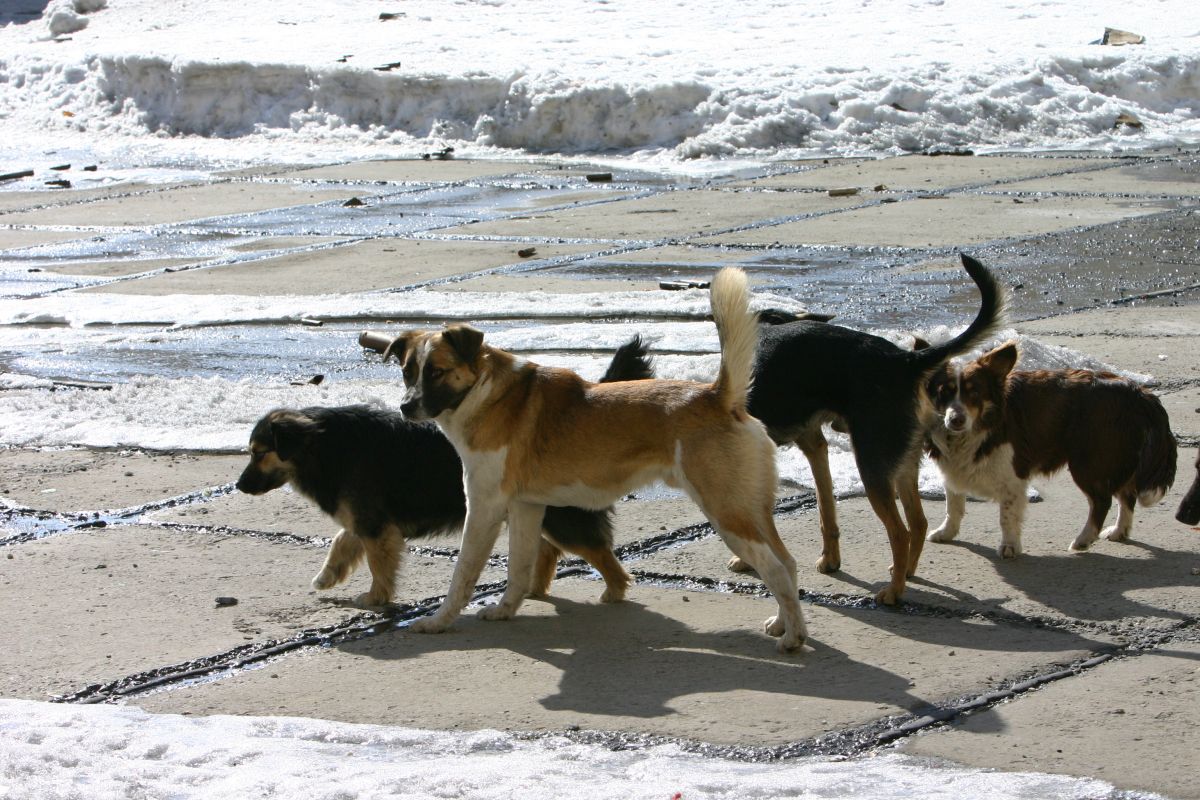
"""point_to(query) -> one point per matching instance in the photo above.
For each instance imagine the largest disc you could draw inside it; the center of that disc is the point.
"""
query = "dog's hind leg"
(1098, 506)
(524, 534)
(383, 558)
(753, 544)
(1126, 498)
(882, 496)
(544, 568)
(345, 554)
(914, 514)
(616, 579)
(812, 443)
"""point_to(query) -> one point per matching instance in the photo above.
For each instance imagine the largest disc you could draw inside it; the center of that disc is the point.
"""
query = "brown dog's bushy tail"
(991, 317)
(1156, 463)
(737, 329)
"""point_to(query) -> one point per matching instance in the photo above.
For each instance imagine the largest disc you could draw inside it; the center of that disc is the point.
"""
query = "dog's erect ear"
(399, 346)
(465, 340)
(1000, 361)
(292, 432)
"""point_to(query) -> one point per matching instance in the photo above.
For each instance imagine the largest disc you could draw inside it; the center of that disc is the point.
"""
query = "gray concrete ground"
(1081, 664)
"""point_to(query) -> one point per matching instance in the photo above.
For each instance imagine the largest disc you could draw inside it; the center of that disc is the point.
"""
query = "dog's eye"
(435, 373)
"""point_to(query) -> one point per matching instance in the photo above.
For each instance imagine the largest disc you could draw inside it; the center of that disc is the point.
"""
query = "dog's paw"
(1081, 544)
(826, 565)
(434, 623)
(325, 579)
(1008, 550)
(942, 533)
(371, 600)
(613, 594)
(496, 612)
(887, 596)
(1113, 533)
(774, 626)
(738, 564)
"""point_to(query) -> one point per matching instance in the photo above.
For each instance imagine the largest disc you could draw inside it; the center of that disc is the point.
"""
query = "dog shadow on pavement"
(625, 659)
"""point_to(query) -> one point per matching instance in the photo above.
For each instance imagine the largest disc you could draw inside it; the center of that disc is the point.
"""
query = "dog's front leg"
(524, 536)
(1012, 517)
(484, 515)
(345, 553)
(956, 509)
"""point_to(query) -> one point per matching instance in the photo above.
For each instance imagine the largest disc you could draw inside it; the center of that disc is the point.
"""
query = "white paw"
(1114, 534)
(324, 579)
(1009, 550)
(435, 623)
(942, 533)
(774, 626)
(1081, 544)
(495, 612)
(736, 564)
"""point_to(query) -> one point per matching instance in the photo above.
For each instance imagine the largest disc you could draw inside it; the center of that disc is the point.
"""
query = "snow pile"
(676, 81)
(53, 752)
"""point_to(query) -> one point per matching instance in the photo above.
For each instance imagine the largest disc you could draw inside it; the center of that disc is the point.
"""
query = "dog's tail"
(1156, 463)
(737, 329)
(991, 317)
(631, 362)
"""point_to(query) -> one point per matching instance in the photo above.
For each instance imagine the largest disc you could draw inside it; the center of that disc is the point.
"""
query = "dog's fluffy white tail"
(737, 330)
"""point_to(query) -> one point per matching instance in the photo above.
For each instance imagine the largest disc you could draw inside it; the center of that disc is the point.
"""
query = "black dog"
(809, 373)
(386, 480)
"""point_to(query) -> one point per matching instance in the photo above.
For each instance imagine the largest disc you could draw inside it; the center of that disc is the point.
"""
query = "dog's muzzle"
(412, 408)
(955, 419)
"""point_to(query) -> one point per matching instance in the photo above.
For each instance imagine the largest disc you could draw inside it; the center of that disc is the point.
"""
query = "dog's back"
(380, 467)
(1110, 432)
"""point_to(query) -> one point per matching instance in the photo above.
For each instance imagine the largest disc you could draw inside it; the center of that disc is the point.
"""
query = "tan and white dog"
(531, 436)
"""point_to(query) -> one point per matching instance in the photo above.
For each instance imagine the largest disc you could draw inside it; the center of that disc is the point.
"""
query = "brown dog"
(532, 436)
(992, 428)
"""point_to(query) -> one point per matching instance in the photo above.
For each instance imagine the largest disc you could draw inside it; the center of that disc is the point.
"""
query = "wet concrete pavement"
(1084, 664)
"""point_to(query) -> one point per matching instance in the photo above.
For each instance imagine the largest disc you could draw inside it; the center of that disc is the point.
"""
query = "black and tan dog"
(532, 436)
(809, 373)
(387, 481)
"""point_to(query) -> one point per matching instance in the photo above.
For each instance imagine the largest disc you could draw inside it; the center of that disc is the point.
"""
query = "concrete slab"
(116, 268)
(1158, 178)
(676, 214)
(1119, 722)
(1183, 407)
(65, 481)
(554, 282)
(172, 204)
(129, 599)
(414, 170)
(1128, 321)
(1153, 341)
(962, 219)
(361, 266)
(56, 198)
(1160, 358)
(18, 238)
(915, 173)
(667, 662)
(1148, 583)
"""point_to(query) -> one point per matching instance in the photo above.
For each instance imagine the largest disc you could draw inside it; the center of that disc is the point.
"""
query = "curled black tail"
(991, 318)
(1156, 463)
(630, 363)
